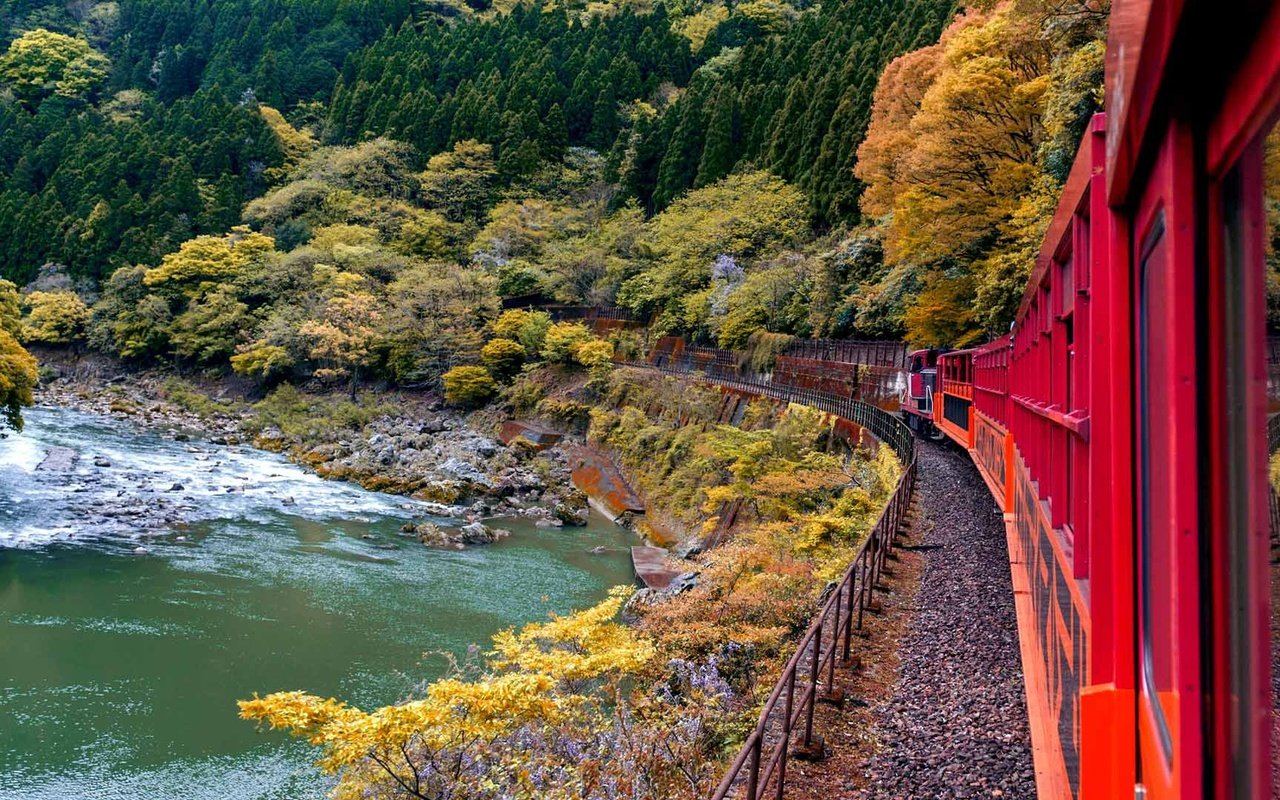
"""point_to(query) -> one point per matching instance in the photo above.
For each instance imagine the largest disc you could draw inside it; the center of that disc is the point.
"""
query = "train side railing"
(785, 727)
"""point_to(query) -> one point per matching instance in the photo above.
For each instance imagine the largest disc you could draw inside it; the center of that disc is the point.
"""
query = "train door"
(1167, 527)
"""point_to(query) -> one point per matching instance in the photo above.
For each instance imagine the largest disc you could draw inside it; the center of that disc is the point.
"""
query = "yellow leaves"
(17, 379)
(594, 353)
(696, 27)
(293, 143)
(943, 313)
(54, 317)
(956, 147)
(582, 646)
(529, 684)
(468, 385)
(563, 339)
(40, 63)
(205, 261)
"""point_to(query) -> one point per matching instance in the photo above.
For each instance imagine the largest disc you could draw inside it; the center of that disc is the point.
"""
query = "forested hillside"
(345, 191)
(324, 204)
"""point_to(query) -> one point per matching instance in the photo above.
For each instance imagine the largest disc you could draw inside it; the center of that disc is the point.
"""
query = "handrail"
(829, 639)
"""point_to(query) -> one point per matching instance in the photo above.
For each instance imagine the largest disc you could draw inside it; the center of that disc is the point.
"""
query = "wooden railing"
(786, 723)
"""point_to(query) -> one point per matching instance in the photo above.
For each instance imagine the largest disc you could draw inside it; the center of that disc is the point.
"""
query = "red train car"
(1122, 423)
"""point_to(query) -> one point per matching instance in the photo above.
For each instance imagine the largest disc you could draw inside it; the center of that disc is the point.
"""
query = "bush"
(563, 340)
(468, 386)
(503, 357)
(529, 328)
(523, 396)
(595, 353)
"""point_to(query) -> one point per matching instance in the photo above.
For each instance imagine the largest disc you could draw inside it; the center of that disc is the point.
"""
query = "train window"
(1083, 248)
(1157, 590)
(1250, 213)
(1066, 287)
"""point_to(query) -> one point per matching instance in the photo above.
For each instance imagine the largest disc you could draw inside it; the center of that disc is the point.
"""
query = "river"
(119, 672)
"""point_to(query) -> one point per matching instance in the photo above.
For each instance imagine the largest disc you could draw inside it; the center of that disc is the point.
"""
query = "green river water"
(119, 672)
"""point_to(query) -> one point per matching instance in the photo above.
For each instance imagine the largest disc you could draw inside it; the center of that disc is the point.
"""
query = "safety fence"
(785, 727)
(851, 351)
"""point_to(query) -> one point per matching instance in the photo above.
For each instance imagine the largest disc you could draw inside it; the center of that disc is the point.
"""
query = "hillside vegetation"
(342, 193)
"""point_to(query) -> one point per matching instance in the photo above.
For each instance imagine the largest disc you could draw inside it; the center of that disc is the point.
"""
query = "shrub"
(503, 357)
(563, 340)
(529, 328)
(595, 353)
(468, 386)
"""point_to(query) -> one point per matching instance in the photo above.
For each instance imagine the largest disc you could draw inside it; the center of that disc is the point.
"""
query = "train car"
(920, 392)
(1122, 424)
(953, 401)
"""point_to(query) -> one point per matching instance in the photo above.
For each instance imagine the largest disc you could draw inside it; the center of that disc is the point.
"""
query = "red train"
(1122, 423)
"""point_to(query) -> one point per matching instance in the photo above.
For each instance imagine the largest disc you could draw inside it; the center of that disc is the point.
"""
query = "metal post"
(814, 663)
(753, 776)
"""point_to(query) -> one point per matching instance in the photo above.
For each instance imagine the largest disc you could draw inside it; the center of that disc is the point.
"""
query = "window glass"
(1155, 363)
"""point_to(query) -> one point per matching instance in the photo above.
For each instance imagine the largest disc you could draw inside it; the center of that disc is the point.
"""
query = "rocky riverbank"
(422, 450)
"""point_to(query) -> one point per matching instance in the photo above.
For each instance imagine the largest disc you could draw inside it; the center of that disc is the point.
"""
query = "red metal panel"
(1170, 735)
(1140, 36)
(1237, 451)
(1250, 102)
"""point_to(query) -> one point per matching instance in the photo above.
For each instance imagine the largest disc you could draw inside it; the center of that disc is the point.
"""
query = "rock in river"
(59, 459)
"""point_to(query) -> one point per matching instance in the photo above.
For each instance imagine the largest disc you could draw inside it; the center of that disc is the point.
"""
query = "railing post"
(786, 733)
(814, 663)
(848, 621)
(753, 776)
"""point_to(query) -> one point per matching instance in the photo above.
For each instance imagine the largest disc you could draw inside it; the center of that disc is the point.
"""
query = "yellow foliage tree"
(17, 380)
(18, 373)
(41, 63)
(967, 142)
(444, 743)
(295, 144)
(345, 336)
(200, 264)
(54, 317)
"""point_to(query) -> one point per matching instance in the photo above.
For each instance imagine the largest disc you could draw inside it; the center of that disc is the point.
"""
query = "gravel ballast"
(955, 725)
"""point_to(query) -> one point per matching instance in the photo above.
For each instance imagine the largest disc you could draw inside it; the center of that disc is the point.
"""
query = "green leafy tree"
(211, 328)
(460, 182)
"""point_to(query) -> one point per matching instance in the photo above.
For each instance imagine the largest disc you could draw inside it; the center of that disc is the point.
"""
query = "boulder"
(461, 470)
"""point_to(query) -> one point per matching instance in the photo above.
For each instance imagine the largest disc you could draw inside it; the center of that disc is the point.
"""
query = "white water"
(218, 482)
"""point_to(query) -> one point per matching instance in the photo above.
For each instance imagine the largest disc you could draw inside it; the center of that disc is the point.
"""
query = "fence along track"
(809, 677)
